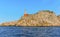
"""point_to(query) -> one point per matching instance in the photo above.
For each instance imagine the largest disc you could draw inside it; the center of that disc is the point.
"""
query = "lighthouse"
(25, 13)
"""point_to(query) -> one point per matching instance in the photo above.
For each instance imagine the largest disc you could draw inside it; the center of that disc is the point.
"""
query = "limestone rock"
(41, 18)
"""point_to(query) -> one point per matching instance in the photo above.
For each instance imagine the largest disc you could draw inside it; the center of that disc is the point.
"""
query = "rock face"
(9, 23)
(58, 17)
(41, 18)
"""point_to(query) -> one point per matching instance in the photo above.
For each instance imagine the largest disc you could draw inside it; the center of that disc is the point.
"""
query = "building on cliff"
(25, 13)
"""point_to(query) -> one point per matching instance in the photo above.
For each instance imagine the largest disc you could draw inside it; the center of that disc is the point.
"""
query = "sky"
(11, 10)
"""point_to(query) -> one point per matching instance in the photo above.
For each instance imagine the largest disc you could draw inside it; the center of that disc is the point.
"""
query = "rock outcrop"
(41, 18)
(12, 23)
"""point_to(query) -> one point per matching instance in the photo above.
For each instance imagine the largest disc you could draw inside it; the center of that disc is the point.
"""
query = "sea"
(16, 31)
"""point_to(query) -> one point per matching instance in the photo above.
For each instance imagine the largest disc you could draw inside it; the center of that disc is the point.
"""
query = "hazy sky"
(14, 9)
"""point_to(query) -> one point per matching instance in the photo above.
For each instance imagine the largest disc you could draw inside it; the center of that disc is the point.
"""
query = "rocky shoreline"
(41, 18)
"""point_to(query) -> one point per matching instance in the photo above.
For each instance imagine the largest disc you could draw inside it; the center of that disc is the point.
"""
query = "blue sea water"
(13, 31)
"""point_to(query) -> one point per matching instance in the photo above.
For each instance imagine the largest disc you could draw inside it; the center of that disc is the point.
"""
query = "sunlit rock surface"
(41, 18)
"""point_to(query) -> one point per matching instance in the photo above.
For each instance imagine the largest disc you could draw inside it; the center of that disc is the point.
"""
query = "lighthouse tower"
(25, 13)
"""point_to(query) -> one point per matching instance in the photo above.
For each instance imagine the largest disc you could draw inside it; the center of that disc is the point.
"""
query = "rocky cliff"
(41, 18)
